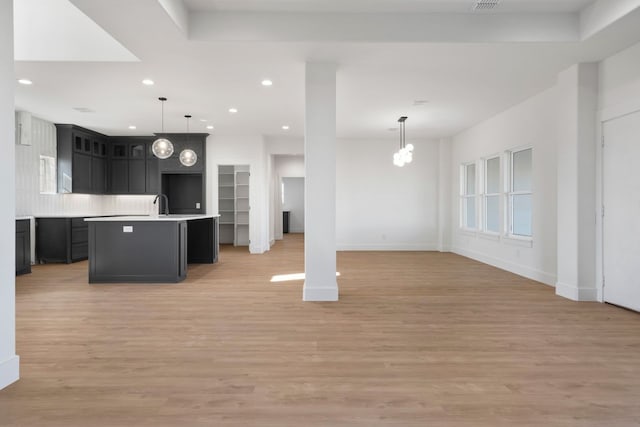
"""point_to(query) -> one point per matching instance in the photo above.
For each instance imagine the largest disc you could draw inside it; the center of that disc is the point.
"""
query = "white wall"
(380, 206)
(29, 201)
(294, 203)
(9, 362)
(531, 123)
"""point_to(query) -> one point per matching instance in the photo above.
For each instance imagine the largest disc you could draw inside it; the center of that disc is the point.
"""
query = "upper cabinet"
(92, 163)
(131, 169)
(81, 160)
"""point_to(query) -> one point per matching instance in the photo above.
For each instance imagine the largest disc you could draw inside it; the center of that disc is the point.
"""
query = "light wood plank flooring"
(417, 339)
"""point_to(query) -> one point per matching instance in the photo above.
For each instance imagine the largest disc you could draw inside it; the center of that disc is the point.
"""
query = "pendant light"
(162, 148)
(188, 157)
(405, 153)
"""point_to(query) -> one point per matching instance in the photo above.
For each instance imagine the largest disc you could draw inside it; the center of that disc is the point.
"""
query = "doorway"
(621, 203)
(293, 203)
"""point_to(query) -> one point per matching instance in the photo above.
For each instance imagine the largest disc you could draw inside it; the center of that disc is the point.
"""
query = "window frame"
(464, 197)
(485, 195)
(510, 193)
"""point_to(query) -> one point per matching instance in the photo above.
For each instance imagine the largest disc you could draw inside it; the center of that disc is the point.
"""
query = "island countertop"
(140, 218)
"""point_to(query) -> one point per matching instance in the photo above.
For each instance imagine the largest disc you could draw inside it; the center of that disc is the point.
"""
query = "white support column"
(9, 362)
(320, 183)
(576, 182)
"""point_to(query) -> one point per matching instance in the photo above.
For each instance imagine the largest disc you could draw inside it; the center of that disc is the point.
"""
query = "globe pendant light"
(162, 148)
(405, 154)
(188, 157)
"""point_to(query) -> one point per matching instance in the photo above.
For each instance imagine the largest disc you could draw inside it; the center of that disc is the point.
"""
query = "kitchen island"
(149, 249)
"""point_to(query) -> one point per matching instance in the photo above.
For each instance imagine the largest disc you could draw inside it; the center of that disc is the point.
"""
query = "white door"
(621, 196)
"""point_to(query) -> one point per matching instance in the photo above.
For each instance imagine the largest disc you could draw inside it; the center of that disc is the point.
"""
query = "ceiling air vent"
(486, 4)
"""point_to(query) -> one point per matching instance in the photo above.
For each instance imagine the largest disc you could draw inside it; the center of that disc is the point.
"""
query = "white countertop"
(174, 218)
(19, 218)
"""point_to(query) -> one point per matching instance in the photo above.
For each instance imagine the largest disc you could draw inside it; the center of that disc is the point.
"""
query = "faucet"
(166, 204)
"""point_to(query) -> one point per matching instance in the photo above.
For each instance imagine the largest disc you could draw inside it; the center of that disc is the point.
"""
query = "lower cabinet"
(62, 240)
(23, 246)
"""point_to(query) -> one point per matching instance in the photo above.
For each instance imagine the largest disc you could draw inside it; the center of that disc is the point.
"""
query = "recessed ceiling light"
(25, 82)
(233, 110)
(267, 82)
(210, 127)
(285, 127)
(148, 82)
(132, 127)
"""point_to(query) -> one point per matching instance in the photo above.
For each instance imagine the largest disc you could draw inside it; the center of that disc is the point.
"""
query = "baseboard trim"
(386, 247)
(9, 371)
(319, 294)
(575, 293)
(519, 269)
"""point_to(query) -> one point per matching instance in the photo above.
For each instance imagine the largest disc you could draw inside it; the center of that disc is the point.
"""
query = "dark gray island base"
(150, 249)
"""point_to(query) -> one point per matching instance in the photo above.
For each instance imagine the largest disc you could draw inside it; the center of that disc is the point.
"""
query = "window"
(47, 175)
(492, 195)
(520, 194)
(468, 196)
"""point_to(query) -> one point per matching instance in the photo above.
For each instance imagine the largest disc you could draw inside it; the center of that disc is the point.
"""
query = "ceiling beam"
(388, 27)
(604, 13)
(178, 13)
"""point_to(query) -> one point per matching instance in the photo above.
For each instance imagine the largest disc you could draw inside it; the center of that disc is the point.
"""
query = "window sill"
(526, 242)
(489, 236)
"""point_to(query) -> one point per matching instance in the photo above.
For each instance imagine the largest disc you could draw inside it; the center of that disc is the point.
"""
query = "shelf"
(242, 185)
(242, 223)
(241, 211)
(226, 198)
(226, 185)
(226, 173)
(221, 210)
(227, 223)
(242, 198)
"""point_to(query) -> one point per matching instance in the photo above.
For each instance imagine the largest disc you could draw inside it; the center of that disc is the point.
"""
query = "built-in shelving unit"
(242, 205)
(233, 204)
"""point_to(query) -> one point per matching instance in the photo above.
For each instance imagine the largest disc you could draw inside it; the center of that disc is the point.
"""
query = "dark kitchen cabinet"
(23, 246)
(62, 239)
(119, 176)
(137, 176)
(132, 169)
(82, 157)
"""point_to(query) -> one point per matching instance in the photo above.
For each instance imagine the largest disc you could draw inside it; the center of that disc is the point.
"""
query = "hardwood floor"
(417, 339)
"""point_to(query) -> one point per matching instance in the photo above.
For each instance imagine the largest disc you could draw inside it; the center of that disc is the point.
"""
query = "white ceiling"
(351, 6)
(464, 83)
(77, 38)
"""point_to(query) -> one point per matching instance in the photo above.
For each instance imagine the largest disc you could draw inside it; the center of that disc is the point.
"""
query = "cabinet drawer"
(79, 235)
(79, 251)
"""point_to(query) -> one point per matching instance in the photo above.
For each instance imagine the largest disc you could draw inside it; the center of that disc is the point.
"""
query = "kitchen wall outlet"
(127, 228)
(197, 205)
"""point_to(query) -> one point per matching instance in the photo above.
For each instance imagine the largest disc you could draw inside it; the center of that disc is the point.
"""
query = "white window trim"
(509, 236)
(486, 195)
(464, 197)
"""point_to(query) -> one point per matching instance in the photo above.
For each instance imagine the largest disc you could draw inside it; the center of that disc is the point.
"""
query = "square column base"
(9, 371)
(325, 293)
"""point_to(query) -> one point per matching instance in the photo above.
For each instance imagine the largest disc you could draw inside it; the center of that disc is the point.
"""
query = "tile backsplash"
(29, 200)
